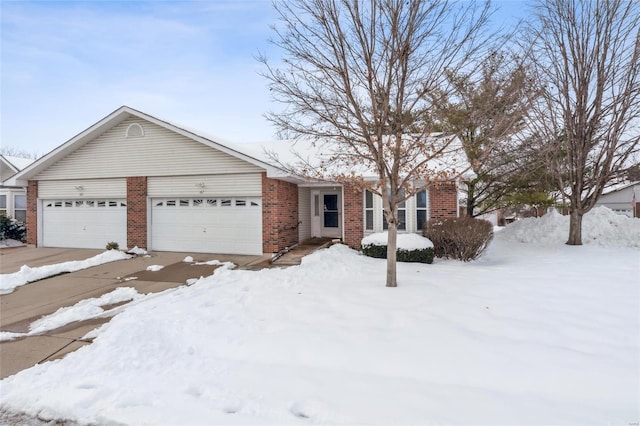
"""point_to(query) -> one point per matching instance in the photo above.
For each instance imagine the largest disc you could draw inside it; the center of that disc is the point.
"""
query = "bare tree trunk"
(471, 199)
(575, 228)
(391, 214)
(392, 244)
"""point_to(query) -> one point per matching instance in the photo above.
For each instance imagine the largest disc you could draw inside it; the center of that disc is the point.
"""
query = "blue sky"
(66, 65)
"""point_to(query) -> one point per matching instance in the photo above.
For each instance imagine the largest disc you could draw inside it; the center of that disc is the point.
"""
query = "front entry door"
(331, 215)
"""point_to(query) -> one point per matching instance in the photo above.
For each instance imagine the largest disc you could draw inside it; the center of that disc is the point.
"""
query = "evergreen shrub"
(419, 255)
(11, 229)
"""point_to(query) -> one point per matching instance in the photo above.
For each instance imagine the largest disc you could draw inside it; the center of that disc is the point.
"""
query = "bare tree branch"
(356, 75)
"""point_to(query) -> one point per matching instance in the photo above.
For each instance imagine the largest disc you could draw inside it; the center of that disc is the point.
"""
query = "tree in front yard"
(586, 56)
(359, 74)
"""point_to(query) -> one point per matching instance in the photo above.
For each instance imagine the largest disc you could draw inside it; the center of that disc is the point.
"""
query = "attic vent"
(135, 130)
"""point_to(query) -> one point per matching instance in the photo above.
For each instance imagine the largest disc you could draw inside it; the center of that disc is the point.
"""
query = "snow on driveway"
(26, 274)
(531, 333)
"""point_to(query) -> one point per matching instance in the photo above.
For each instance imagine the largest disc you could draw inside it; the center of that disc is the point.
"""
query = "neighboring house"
(13, 199)
(141, 181)
(622, 198)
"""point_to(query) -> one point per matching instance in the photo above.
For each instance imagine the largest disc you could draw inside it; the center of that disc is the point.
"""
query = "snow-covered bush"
(11, 229)
(463, 238)
(410, 247)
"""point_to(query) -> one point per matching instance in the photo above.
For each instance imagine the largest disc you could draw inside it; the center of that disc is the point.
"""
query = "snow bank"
(601, 226)
(83, 310)
(8, 282)
(213, 262)
(137, 251)
(6, 336)
(407, 241)
(209, 262)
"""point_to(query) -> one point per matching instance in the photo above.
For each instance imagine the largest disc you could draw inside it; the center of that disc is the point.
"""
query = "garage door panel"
(213, 225)
(84, 223)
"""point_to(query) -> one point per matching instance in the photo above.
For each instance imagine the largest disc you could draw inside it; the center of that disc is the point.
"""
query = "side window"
(3, 204)
(421, 209)
(368, 210)
(20, 207)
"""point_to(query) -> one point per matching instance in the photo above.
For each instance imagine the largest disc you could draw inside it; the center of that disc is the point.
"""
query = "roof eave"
(116, 117)
(9, 164)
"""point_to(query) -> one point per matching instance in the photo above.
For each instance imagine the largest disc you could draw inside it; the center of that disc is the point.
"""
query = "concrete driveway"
(32, 301)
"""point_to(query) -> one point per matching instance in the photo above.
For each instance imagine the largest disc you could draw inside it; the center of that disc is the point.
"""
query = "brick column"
(279, 214)
(443, 200)
(353, 215)
(32, 212)
(137, 211)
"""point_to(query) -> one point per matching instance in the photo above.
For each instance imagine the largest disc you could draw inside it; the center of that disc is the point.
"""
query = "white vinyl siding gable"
(160, 152)
(218, 185)
(5, 173)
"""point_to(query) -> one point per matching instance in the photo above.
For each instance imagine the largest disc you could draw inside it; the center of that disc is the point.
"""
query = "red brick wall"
(443, 200)
(279, 214)
(353, 215)
(32, 212)
(137, 211)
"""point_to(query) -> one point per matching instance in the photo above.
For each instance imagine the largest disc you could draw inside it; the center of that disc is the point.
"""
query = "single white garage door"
(84, 223)
(207, 225)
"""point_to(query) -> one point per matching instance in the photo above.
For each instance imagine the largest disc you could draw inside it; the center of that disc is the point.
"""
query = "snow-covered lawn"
(531, 333)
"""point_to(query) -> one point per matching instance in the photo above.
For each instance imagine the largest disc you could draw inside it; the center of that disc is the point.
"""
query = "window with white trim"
(368, 210)
(3, 204)
(421, 209)
(20, 207)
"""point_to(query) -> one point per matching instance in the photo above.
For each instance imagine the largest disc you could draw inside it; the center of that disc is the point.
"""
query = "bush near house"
(11, 229)
(112, 245)
(463, 238)
(380, 252)
(411, 248)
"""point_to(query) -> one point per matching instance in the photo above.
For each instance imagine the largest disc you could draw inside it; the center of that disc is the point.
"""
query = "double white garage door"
(213, 225)
(84, 223)
(198, 224)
